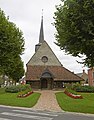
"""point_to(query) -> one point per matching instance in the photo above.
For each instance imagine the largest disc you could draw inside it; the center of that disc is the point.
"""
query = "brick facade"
(91, 76)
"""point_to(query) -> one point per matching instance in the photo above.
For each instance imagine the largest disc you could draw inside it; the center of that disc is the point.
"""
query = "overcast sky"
(26, 14)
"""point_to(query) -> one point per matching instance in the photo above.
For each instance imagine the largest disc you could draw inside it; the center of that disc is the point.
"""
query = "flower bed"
(73, 95)
(25, 95)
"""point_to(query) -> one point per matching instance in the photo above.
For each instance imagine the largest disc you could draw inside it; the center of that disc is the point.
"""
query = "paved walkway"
(47, 101)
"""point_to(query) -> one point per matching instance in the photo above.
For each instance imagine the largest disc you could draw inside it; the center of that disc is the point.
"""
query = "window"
(44, 59)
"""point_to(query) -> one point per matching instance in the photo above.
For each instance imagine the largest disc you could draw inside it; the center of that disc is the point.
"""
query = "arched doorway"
(46, 80)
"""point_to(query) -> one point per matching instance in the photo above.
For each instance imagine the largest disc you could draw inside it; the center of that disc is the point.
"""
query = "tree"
(1, 81)
(11, 47)
(74, 22)
(15, 69)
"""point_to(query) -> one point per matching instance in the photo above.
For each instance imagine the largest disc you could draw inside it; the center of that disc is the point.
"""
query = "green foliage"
(71, 85)
(24, 92)
(75, 85)
(84, 89)
(16, 69)
(12, 89)
(68, 85)
(11, 47)
(71, 91)
(24, 87)
(74, 22)
(18, 88)
(1, 81)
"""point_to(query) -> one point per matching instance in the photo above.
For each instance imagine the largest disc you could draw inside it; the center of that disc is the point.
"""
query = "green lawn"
(12, 100)
(85, 105)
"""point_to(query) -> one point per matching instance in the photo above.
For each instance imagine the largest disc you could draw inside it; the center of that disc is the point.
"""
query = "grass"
(2, 91)
(85, 105)
(11, 99)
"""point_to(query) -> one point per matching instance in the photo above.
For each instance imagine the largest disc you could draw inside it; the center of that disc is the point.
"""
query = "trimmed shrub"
(23, 87)
(12, 89)
(18, 88)
(84, 89)
(25, 93)
(71, 91)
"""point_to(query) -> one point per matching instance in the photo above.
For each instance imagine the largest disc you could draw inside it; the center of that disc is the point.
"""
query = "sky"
(26, 14)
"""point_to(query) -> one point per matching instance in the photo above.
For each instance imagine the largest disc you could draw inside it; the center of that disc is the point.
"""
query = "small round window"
(44, 59)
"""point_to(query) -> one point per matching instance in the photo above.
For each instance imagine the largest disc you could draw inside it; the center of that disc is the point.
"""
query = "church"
(44, 70)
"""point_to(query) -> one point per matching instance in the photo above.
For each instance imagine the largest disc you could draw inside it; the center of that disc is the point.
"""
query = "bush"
(84, 89)
(12, 89)
(18, 88)
(25, 93)
(70, 91)
(23, 87)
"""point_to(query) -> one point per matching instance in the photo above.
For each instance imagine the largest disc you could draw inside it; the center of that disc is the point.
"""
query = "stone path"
(47, 101)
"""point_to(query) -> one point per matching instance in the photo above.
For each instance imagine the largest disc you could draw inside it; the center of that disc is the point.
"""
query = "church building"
(44, 70)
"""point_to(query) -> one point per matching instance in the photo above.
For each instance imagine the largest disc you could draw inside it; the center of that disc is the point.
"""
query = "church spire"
(41, 35)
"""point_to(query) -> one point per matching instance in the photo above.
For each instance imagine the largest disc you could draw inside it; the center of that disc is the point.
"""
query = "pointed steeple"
(41, 35)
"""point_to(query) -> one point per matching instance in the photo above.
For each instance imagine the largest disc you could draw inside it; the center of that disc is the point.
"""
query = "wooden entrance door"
(44, 83)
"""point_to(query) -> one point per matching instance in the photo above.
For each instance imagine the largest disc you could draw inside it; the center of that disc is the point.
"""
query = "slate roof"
(59, 72)
(41, 35)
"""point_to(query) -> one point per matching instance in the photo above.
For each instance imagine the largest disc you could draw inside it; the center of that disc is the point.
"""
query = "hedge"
(18, 88)
(84, 89)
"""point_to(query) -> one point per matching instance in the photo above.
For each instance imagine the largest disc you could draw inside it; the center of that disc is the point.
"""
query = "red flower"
(72, 95)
